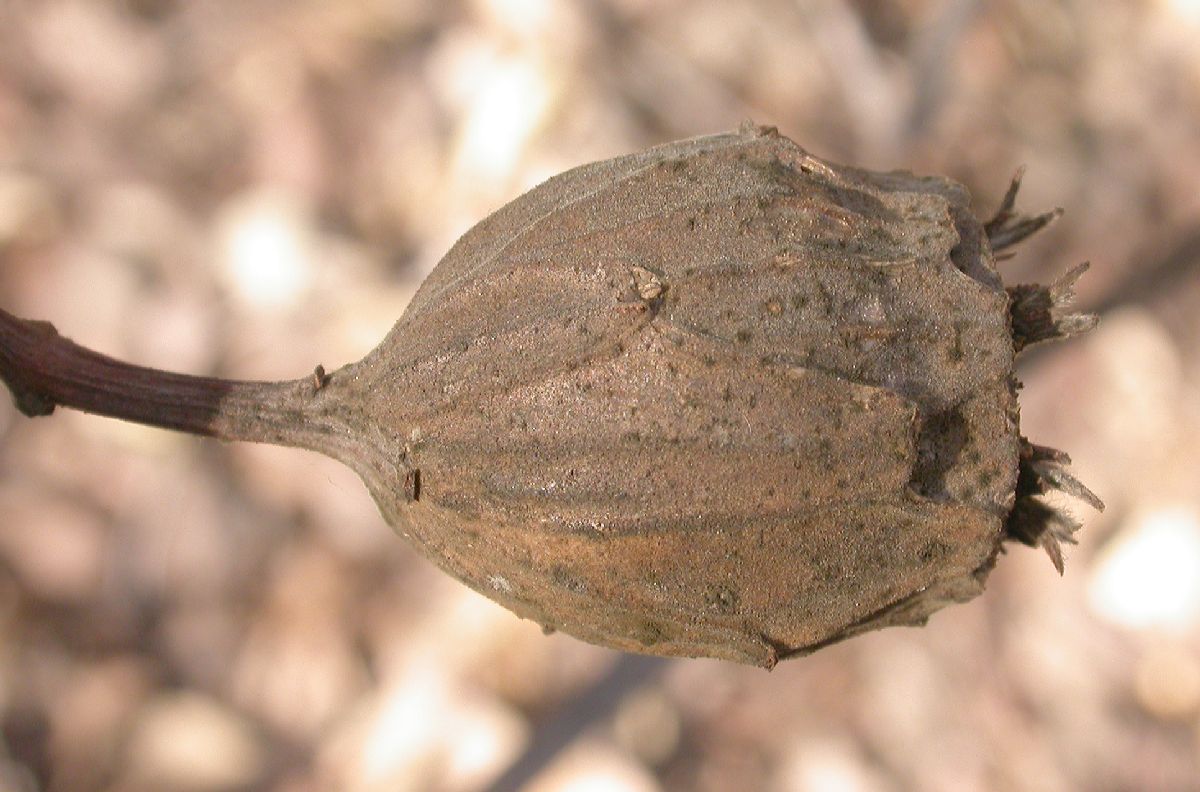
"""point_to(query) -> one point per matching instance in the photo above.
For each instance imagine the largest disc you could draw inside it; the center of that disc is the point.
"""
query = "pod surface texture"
(720, 398)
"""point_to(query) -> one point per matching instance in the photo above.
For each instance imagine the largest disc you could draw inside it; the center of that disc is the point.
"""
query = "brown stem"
(44, 370)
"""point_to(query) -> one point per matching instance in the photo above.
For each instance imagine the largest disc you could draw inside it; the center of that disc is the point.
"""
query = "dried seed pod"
(718, 398)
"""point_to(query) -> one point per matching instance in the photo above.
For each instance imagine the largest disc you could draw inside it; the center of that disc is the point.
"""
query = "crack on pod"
(867, 623)
(412, 485)
(940, 440)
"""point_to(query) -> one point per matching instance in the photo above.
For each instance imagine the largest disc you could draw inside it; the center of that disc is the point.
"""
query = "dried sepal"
(1041, 313)
(1007, 228)
(1034, 522)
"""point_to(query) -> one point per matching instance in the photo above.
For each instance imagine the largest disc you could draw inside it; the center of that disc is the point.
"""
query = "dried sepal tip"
(1035, 522)
(1041, 313)
(1007, 227)
(1054, 474)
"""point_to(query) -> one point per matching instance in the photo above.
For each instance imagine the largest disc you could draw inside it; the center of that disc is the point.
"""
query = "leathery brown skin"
(720, 398)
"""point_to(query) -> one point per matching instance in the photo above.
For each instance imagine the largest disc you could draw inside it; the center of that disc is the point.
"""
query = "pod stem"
(44, 370)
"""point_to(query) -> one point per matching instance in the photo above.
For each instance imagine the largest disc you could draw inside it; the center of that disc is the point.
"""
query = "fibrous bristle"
(1055, 475)
(1041, 313)
(1061, 530)
(1032, 520)
(1007, 227)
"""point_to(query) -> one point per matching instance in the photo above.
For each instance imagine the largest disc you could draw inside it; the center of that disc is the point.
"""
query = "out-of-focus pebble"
(1147, 576)
(266, 249)
(826, 765)
(91, 715)
(594, 766)
(296, 668)
(191, 742)
(28, 211)
(56, 548)
(139, 220)
(1167, 680)
(96, 54)
(421, 733)
(1142, 376)
(648, 725)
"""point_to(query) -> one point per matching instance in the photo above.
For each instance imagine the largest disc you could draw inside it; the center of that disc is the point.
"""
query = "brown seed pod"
(720, 398)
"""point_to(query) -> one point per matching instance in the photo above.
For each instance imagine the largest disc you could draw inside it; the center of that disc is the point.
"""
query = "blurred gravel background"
(249, 188)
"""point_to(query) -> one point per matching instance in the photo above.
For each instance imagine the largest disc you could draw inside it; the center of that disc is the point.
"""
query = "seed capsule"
(722, 398)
